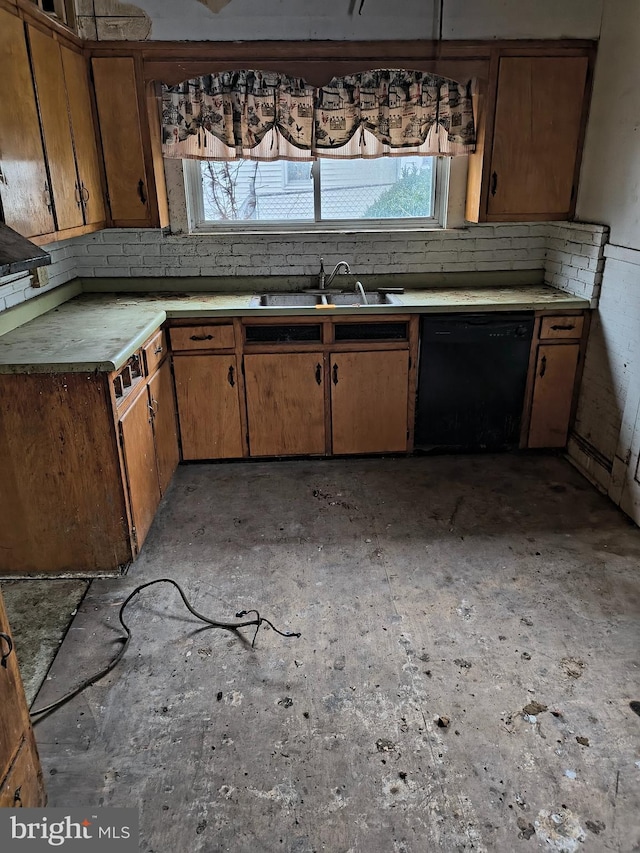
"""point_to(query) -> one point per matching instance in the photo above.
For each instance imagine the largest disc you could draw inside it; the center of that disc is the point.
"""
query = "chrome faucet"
(340, 265)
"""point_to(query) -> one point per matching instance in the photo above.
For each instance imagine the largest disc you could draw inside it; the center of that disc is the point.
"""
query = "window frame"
(197, 224)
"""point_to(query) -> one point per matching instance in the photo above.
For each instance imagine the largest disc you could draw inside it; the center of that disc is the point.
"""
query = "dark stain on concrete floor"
(441, 601)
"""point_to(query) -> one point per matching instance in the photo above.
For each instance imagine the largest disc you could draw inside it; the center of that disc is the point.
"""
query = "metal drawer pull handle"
(7, 639)
(158, 350)
(230, 378)
(543, 366)
(563, 328)
(335, 374)
(201, 337)
(318, 374)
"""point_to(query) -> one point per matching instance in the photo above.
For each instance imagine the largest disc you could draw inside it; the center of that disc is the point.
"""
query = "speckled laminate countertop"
(100, 331)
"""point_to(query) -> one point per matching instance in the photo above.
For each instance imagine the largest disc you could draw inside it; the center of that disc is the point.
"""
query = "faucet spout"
(341, 265)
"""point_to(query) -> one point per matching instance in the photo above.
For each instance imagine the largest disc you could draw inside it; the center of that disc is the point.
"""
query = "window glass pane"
(386, 188)
(246, 190)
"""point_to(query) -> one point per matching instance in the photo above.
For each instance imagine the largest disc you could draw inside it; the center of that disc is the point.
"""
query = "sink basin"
(373, 298)
(310, 300)
(285, 300)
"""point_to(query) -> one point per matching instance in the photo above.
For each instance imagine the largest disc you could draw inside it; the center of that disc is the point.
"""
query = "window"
(281, 195)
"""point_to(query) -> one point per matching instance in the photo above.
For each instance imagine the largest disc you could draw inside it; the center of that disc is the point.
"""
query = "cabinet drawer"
(561, 327)
(154, 351)
(202, 337)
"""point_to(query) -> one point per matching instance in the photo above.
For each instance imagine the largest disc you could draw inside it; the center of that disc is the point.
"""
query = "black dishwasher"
(472, 377)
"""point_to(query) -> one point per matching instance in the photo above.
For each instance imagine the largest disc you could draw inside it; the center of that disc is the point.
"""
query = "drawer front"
(154, 351)
(561, 327)
(202, 337)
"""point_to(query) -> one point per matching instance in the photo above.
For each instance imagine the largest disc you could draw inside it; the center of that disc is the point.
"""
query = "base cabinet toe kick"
(88, 456)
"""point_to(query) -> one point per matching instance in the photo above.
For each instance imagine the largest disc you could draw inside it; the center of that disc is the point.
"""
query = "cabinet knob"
(8, 642)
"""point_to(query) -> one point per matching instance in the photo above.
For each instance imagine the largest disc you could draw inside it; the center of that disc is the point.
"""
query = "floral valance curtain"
(269, 116)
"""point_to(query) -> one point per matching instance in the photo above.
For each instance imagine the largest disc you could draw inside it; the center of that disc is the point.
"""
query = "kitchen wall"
(338, 19)
(606, 443)
(21, 287)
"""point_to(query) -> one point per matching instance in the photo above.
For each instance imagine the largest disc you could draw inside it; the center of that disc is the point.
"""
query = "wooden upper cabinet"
(48, 77)
(24, 188)
(76, 79)
(537, 131)
(123, 141)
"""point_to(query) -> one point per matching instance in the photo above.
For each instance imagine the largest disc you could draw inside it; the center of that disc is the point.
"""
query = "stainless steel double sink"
(316, 298)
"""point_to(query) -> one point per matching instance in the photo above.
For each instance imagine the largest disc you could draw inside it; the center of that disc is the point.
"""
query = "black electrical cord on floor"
(259, 621)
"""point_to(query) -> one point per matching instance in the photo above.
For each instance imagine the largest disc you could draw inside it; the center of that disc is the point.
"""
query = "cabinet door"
(208, 406)
(139, 453)
(369, 397)
(20, 774)
(553, 394)
(76, 80)
(120, 129)
(54, 115)
(285, 403)
(536, 135)
(24, 188)
(164, 424)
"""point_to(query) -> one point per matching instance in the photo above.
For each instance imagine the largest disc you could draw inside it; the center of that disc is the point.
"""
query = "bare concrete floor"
(438, 598)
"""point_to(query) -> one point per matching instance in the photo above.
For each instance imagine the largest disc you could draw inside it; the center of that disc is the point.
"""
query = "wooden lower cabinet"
(165, 428)
(83, 466)
(138, 448)
(369, 396)
(208, 406)
(150, 449)
(20, 774)
(285, 403)
(555, 376)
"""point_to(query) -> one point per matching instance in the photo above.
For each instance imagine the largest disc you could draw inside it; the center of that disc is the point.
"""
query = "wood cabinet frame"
(536, 342)
(327, 346)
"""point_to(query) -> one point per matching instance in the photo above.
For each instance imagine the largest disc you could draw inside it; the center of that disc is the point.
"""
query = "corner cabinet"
(530, 133)
(21, 784)
(86, 457)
